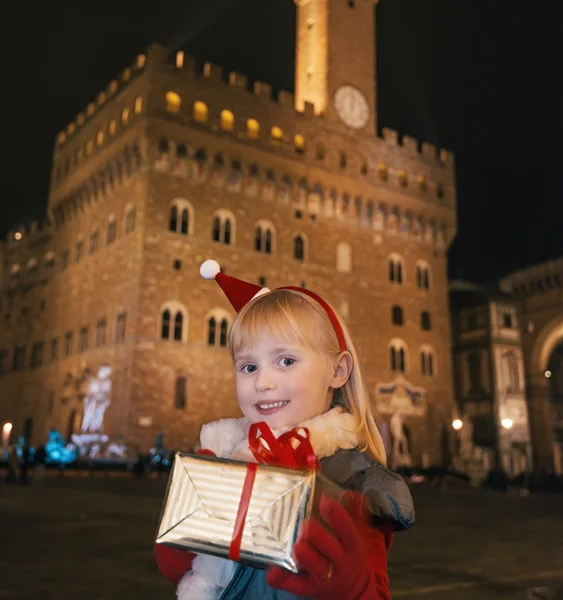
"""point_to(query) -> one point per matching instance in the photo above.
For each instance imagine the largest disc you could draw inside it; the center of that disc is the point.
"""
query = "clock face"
(351, 106)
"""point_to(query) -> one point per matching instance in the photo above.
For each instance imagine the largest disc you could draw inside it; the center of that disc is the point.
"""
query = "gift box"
(248, 512)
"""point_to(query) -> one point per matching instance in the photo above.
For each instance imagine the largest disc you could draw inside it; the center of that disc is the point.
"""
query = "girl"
(296, 365)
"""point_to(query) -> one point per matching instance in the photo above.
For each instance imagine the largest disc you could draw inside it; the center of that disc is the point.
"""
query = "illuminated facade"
(172, 165)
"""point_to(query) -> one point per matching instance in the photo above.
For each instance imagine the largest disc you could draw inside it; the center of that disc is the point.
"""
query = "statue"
(400, 455)
(96, 401)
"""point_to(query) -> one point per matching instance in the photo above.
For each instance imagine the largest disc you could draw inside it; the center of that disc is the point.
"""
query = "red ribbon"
(292, 449)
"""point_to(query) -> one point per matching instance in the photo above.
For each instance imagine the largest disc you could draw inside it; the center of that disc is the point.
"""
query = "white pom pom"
(209, 269)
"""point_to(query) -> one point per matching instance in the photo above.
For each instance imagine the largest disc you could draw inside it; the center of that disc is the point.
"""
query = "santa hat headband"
(239, 293)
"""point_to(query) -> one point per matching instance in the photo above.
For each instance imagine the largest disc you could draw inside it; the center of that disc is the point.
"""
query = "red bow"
(292, 449)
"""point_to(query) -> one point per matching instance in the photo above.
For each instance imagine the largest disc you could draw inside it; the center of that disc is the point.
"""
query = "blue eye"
(249, 368)
(287, 362)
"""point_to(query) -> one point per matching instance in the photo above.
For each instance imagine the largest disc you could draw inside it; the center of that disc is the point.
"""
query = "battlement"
(156, 60)
(92, 108)
(536, 279)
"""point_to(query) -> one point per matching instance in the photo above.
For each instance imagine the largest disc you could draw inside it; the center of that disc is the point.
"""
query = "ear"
(343, 368)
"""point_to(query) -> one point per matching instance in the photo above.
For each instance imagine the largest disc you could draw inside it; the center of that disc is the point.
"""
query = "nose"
(265, 380)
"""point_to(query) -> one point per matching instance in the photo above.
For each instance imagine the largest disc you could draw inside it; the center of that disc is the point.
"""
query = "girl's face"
(282, 384)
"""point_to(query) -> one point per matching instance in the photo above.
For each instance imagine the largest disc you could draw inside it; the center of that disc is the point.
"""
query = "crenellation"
(238, 80)
(446, 157)
(430, 150)
(410, 143)
(286, 99)
(308, 110)
(263, 90)
(390, 136)
(212, 71)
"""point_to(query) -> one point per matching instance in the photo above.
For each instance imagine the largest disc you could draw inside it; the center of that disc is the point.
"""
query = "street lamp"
(507, 423)
(457, 424)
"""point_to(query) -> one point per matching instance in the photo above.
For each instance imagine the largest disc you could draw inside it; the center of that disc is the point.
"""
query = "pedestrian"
(296, 365)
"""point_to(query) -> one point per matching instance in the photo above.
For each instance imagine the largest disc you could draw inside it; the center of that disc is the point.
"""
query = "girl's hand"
(334, 566)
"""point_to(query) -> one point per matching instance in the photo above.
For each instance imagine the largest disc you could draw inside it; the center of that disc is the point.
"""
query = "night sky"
(482, 78)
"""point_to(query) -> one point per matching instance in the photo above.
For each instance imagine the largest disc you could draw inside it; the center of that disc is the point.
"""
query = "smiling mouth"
(268, 408)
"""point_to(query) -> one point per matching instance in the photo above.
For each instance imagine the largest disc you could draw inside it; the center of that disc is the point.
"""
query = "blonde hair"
(288, 315)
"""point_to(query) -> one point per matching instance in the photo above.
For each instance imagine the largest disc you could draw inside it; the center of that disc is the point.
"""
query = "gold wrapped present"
(243, 511)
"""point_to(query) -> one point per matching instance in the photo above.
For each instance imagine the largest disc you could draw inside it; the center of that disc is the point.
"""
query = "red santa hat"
(240, 293)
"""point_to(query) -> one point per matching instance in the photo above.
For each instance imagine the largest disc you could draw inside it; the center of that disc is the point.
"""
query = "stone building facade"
(172, 165)
(539, 294)
(489, 380)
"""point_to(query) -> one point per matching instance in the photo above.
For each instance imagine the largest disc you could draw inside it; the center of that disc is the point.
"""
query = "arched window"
(201, 112)
(224, 332)
(173, 221)
(173, 102)
(276, 135)
(403, 178)
(173, 322)
(178, 326)
(343, 257)
(300, 144)
(180, 392)
(427, 361)
(253, 129)
(342, 160)
(223, 227)
(129, 219)
(111, 231)
(396, 269)
(320, 152)
(425, 321)
(163, 146)
(165, 330)
(227, 120)
(422, 275)
(138, 108)
(125, 116)
(398, 356)
(49, 266)
(217, 328)
(211, 327)
(397, 315)
(299, 248)
(264, 237)
(181, 217)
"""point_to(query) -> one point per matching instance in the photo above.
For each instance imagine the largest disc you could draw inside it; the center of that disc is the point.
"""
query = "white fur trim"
(228, 438)
(208, 578)
(209, 269)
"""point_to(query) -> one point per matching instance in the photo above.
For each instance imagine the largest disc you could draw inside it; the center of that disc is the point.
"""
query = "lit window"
(90, 109)
(141, 59)
(126, 74)
(276, 134)
(138, 105)
(112, 87)
(80, 119)
(180, 59)
(173, 102)
(253, 129)
(227, 120)
(200, 112)
(421, 183)
(71, 127)
(299, 144)
(89, 147)
(112, 127)
(125, 116)
(100, 138)
(61, 137)
(382, 172)
(101, 98)
(403, 179)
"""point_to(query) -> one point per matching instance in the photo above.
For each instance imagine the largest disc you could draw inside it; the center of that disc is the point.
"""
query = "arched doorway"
(554, 373)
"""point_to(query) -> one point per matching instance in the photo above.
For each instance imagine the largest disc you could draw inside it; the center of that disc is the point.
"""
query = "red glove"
(171, 562)
(339, 566)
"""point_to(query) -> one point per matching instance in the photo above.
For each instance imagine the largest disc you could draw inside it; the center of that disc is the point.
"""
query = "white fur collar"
(228, 438)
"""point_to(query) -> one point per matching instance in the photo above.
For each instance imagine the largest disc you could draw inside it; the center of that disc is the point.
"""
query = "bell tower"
(335, 61)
